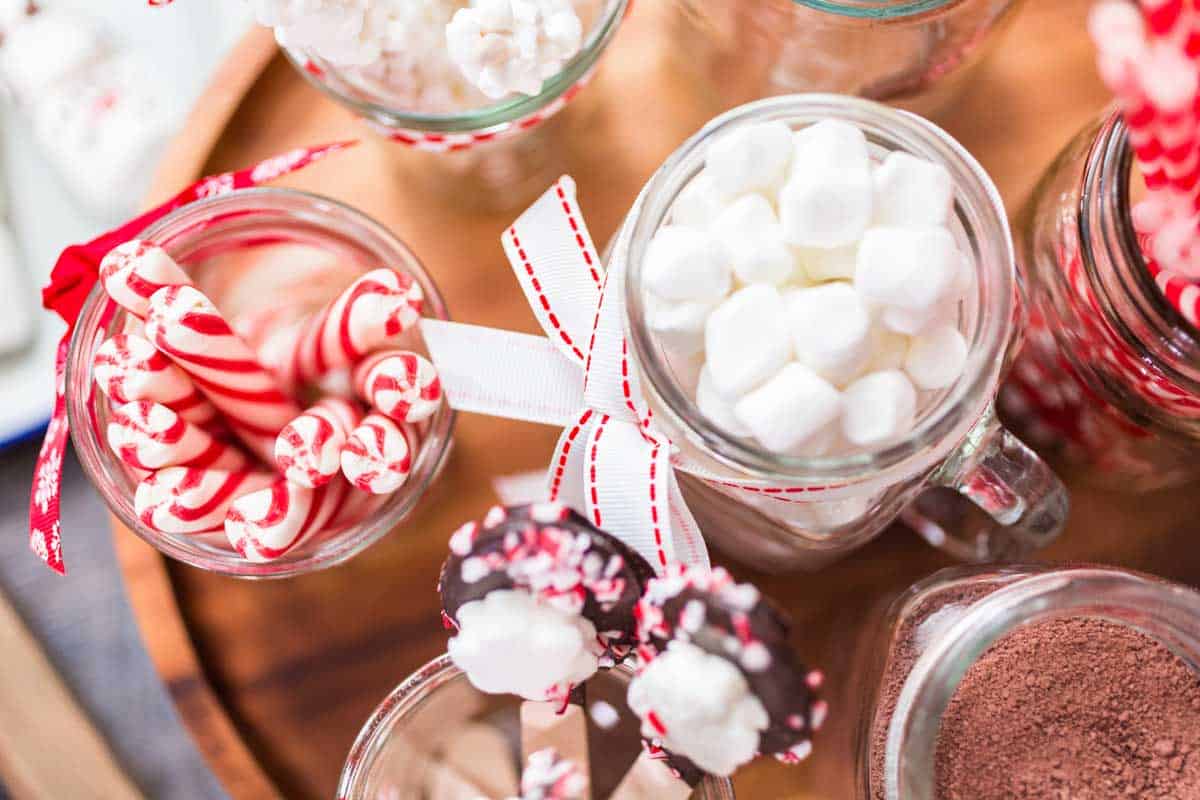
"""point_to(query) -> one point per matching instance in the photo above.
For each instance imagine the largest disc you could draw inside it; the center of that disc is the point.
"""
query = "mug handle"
(996, 471)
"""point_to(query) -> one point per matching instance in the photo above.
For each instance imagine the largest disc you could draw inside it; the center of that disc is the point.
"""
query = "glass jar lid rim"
(875, 9)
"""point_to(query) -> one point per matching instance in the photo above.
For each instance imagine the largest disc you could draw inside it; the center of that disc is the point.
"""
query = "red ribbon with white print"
(610, 462)
(71, 281)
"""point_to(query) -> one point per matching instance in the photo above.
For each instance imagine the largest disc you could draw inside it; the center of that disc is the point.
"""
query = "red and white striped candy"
(400, 384)
(128, 368)
(192, 499)
(150, 436)
(185, 325)
(369, 315)
(134, 271)
(308, 450)
(378, 455)
(265, 525)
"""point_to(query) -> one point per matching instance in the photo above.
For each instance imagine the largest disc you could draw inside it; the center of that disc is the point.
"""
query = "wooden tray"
(275, 679)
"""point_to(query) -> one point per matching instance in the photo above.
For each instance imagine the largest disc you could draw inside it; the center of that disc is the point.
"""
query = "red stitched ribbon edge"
(71, 281)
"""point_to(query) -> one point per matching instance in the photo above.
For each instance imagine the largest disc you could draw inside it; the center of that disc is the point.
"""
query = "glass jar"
(407, 737)
(939, 628)
(1110, 371)
(265, 255)
(786, 512)
(917, 53)
(497, 155)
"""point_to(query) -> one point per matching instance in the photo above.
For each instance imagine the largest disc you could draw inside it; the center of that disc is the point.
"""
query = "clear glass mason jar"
(910, 670)
(276, 254)
(789, 512)
(916, 53)
(1110, 371)
(405, 741)
(498, 155)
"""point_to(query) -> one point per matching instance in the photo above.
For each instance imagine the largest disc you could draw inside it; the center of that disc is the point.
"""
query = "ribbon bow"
(610, 462)
(71, 281)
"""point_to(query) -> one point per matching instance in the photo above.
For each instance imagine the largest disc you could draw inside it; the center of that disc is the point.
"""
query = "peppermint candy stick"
(308, 451)
(191, 500)
(134, 271)
(128, 368)
(401, 384)
(378, 455)
(186, 326)
(265, 525)
(150, 436)
(369, 315)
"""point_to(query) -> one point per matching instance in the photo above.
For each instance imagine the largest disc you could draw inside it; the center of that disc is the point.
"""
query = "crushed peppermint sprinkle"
(549, 777)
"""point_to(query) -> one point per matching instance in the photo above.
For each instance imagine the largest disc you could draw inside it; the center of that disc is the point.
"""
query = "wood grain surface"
(297, 666)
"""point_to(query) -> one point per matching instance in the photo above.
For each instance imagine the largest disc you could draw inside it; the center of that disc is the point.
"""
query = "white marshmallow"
(826, 207)
(747, 340)
(912, 191)
(717, 409)
(910, 268)
(790, 408)
(744, 217)
(699, 203)
(830, 145)
(829, 264)
(686, 264)
(751, 234)
(750, 158)
(910, 323)
(831, 330)
(680, 326)
(936, 357)
(878, 408)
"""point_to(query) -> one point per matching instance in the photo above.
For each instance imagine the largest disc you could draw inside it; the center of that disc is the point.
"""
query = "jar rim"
(876, 9)
(106, 474)
(944, 425)
(494, 118)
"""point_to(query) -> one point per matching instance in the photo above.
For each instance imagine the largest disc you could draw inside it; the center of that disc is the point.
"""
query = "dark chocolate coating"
(613, 617)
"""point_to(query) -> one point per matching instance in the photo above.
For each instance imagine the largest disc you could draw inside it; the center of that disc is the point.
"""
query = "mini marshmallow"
(826, 207)
(910, 268)
(716, 408)
(829, 264)
(878, 408)
(679, 326)
(699, 203)
(831, 330)
(753, 238)
(747, 340)
(790, 408)
(686, 264)
(750, 158)
(830, 145)
(911, 191)
(936, 357)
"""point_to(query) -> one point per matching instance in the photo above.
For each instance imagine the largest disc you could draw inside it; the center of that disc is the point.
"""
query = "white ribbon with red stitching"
(610, 462)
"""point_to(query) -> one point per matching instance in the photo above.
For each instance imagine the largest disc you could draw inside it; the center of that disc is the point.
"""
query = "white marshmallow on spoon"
(911, 191)
(750, 158)
(686, 264)
(698, 204)
(831, 330)
(715, 408)
(747, 340)
(790, 408)
(936, 358)
(878, 408)
(909, 268)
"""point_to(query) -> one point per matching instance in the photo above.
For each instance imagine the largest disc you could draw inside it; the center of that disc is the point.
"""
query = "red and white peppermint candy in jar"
(181, 437)
(1110, 372)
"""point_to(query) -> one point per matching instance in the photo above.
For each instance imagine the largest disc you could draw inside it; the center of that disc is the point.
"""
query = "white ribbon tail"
(504, 374)
(565, 479)
(689, 541)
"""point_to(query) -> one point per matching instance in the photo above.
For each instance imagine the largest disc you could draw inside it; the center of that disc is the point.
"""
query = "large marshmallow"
(747, 340)
(699, 203)
(830, 144)
(679, 326)
(829, 264)
(790, 408)
(936, 357)
(831, 330)
(826, 207)
(911, 191)
(878, 408)
(750, 158)
(910, 268)
(686, 264)
(751, 234)
(716, 408)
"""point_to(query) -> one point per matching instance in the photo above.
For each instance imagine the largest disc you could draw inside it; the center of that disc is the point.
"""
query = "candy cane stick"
(400, 384)
(369, 315)
(378, 455)
(149, 436)
(191, 499)
(128, 368)
(134, 271)
(308, 451)
(186, 326)
(265, 525)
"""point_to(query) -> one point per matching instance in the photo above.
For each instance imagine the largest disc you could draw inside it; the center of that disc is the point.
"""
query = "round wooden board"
(274, 679)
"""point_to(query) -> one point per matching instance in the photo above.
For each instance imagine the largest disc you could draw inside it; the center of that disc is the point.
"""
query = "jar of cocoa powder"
(1033, 682)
